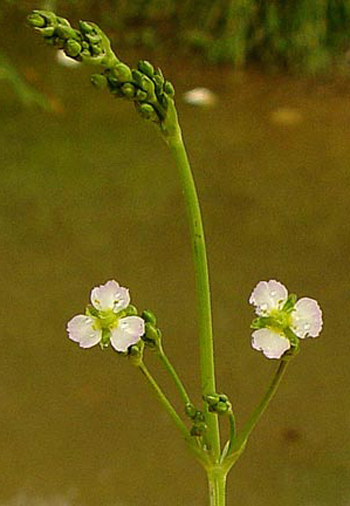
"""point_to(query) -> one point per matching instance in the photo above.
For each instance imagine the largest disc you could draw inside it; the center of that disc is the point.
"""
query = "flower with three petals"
(282, 319)
(107, 320)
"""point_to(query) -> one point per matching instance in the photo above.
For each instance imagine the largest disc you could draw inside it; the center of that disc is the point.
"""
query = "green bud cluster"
(145, 86)
(152, 336)
(199, 426)
(218, 403)
(88, 44)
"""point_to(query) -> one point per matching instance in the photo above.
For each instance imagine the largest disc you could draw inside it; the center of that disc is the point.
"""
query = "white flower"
(268, 295)
(272, 344)
(303, 318)
(110, 300)
(127, 333)
(110, 297)
(307, 318)
(81, 329)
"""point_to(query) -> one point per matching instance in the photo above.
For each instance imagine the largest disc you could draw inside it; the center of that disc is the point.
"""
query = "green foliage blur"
(299, 35)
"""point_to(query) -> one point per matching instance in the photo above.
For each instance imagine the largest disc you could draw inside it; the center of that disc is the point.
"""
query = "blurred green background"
(88, 193)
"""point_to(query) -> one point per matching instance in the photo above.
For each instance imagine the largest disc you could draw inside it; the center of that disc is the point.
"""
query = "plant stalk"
(177, 148)
(217, 487)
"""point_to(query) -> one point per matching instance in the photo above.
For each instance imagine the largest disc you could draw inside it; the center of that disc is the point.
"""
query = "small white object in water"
(200, 97)
(65, 60)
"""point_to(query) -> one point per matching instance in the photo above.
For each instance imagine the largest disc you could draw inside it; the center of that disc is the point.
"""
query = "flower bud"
(169, 89)
(149, 317)
(198, 429)
(96, 49)
(190, 410)
(36, 20)
(128, 90)
(48, 31)
(86, 27)
(99, 81)
(146, 68)
(72, 48)
(135, 353)
(131, 311)
(65, 32)
(148, 112)
(122, 72)
(151, 336)
(141, 95)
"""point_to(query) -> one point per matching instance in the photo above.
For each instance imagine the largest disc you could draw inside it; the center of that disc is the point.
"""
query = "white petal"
(127, 333)
(81, 330)
(268, 295)
(307, 318)
(110, 297)
(272, 345)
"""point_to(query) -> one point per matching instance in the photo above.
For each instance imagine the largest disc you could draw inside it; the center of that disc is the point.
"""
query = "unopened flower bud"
(131, 310)
(149, 317)
(86, 27)
(128, 90)
(146, 68)
(96, 49)
(36, 20)
(65, 32)
(136, 353)
(141, 95)
(190, 410)
(198, 429)
(122, 72)
(72, 48)
(148, 112)
(48, 31)
(151, 336)
(99, 81)
(169, 89)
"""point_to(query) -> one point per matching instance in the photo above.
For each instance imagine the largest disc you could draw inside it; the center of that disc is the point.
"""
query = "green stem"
(173, 414)
(242, 437)
(178, 383)
(232, 421)
(178, 151)
(217, 487)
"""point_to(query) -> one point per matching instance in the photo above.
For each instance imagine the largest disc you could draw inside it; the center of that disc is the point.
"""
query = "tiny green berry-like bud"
(169, 89)
(141, 95)
(149, 317)
(65, 32)
(122, 72)
(72, 48)
(131, 310)
(86, 27)
(146, 68)
(136, 353)
(99, 81)
(198, 429)
(36, 20)
(151, 333)
(128, 90)
(148, 112)
(48, 31)
(190, 410)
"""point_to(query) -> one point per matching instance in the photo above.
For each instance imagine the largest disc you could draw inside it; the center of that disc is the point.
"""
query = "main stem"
(178, 151)
(217, 488)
